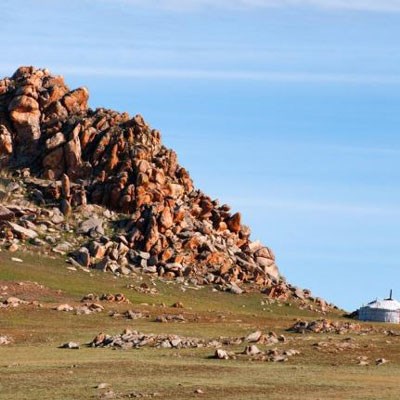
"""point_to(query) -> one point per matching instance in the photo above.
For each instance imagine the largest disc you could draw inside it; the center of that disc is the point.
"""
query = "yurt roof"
(387, 304)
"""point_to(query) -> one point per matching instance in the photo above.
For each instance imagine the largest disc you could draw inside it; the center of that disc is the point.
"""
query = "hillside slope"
(62, 153)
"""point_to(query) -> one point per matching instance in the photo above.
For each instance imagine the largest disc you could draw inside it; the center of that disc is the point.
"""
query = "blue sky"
(287, 110)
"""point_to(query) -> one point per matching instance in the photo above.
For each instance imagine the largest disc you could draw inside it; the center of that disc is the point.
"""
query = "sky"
(286, 110)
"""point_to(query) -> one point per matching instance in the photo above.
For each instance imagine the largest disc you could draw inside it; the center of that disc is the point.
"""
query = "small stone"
(133, 315)
(70, 345)
(110, 394)
(279, 358)
(14, 301)
(234, 288)
(165, 344)
(291, 352)
(254, 337)
(252, 350)
(176, 342)
(102, 385)
(38, 242)
(64, 307)
(4, 340)
(13, 248)
(221, 354)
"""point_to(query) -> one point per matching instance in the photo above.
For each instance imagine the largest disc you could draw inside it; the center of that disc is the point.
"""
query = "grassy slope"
(33, 367)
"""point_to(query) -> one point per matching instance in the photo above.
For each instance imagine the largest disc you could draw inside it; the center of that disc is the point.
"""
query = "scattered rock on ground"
(170, 318)
(64, 307)
(134, 339)
(380, 361)
(70, 345)
(4, 340)
(326, 326)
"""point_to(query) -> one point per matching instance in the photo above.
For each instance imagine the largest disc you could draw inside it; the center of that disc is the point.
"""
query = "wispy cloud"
(6, 69)
(222, 75)
(179, 5)
(362, 150)
(316, 207)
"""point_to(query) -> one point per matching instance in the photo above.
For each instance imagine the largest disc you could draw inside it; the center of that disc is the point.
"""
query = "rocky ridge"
(108, 179)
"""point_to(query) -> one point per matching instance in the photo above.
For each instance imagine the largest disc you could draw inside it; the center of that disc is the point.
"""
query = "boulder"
(54, 161)
(70, 345)
(234, 222)
(6, 214)
(251, 350)
(254, 337)
(6, 143)
(55, 141)
(76, 101)
(234, 288)
(25, 116)
(22, 232)
(93, 224)
(82, 256)
(221, 354)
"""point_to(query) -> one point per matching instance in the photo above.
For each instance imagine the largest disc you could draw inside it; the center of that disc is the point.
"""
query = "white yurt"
(387, 310)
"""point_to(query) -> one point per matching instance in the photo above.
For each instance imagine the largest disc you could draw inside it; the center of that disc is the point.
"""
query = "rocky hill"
(62, 153)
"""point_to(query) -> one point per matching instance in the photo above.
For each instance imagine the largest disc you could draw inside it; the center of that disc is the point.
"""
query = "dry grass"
(33, 367)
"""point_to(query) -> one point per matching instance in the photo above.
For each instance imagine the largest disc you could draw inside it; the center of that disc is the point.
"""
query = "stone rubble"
(100, 187)
(264, 338)
(170, 318)
(391, 332)
(13, 302)
(129, 314)
(253, 353)
(85, 309)
(336, 347)
(143, 288)
(140, 395)
(327, 326)
(72, 157)
(134, 339)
